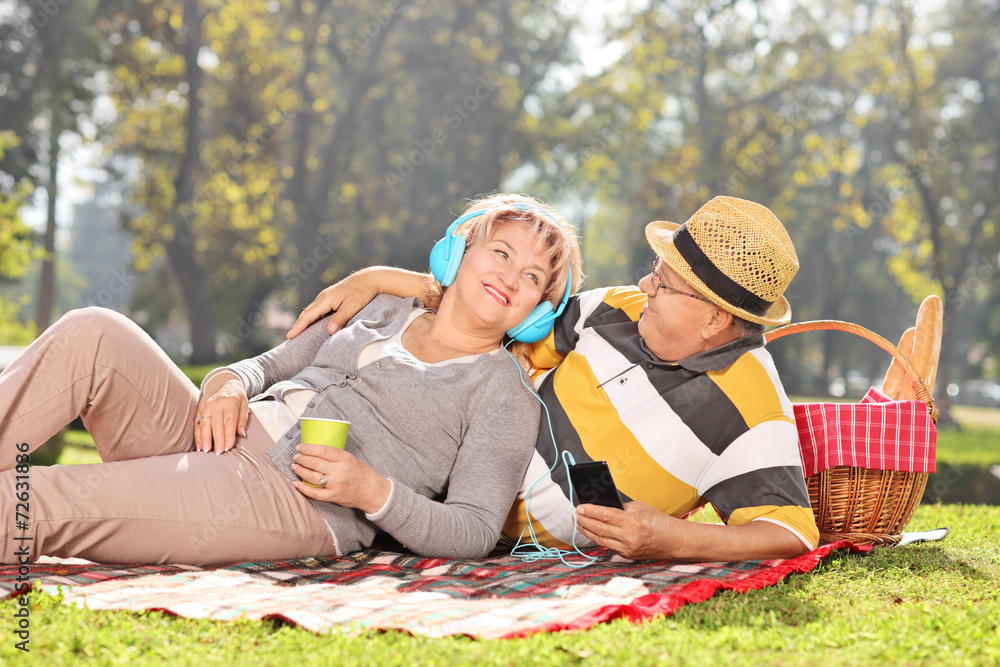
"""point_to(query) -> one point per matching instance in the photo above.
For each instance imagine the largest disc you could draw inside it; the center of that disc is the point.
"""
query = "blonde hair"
(558, 238)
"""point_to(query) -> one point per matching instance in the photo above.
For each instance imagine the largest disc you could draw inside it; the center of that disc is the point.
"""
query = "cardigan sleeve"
(280, 363)
(492, 460)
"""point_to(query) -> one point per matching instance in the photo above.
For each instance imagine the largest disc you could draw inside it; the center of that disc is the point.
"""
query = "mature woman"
(442, 427)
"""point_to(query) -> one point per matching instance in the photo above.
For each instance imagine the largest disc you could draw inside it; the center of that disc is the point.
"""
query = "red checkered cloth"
(486, 598)
(876, 433)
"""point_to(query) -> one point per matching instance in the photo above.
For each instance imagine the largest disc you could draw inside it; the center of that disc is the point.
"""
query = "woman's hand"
(349, 482)
(222, 413)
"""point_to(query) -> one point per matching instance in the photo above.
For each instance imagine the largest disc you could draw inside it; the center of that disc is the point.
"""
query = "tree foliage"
(47, 65)
(267, 149)
(867, 128)
(15, 247)
(331, 134)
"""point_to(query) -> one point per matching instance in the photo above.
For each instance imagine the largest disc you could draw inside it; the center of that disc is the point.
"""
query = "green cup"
(329, 432)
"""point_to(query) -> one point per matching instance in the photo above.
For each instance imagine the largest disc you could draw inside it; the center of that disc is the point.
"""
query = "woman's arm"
(223, 407)
(484, 480)
(347, 297)
(279, 363)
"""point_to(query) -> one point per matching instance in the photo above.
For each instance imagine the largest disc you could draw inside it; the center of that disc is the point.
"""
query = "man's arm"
(641, 532)
(353, 293)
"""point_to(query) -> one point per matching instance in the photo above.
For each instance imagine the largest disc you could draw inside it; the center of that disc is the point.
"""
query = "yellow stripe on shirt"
(635, 472)
(543, 355)
(799, 519)
(516, 528)
(627, 299)
(749, 386)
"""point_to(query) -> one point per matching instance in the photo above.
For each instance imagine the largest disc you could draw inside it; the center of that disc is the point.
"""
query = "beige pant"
(155, 499)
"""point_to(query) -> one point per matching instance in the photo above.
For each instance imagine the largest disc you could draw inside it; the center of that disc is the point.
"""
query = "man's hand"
(346, 298)
(223, 411)
(353, 293)
(641, 532)
(349, 482)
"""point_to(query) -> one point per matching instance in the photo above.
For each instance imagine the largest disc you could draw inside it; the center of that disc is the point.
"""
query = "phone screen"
(593, 484)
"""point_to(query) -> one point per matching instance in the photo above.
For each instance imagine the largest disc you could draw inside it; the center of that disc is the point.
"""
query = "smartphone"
(593, 484)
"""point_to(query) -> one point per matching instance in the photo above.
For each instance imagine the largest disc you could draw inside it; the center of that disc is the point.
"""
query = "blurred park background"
(207, 167)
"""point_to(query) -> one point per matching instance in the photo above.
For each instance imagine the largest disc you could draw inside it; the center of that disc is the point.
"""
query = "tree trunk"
(312, 247)
(944, 370)
(181, 249)
(47, 285)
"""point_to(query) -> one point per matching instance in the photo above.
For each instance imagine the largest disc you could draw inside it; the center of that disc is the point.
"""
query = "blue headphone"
(446, 257)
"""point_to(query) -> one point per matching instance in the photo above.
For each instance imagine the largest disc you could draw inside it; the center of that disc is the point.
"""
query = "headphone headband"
(446, 257)
(521, 206)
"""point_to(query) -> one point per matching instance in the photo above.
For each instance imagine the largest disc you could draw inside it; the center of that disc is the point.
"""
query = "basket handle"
(919, 386)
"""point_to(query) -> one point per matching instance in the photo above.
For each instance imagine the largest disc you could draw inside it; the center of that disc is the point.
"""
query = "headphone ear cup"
(446, 257)
(536, 325)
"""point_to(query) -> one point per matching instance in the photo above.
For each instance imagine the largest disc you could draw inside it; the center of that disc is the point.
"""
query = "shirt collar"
(715, 359)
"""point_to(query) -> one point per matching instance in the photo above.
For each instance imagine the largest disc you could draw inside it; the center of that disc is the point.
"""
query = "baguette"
(927, 341)
(897, 384)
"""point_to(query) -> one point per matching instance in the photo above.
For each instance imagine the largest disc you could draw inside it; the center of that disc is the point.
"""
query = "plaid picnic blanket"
(876, 433)
(496, 597)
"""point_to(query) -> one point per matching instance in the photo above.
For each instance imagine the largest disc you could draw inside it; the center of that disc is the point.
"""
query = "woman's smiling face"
(502, 280)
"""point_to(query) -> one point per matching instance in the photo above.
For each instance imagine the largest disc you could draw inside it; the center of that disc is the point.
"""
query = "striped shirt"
(716, 427)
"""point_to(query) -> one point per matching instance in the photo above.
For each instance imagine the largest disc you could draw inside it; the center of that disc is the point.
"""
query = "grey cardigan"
(455, 439)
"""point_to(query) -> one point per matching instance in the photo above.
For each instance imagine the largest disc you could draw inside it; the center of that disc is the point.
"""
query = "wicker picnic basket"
(864, 505)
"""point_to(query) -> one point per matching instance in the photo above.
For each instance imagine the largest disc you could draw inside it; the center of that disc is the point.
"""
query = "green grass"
(928, 604)
(931, 604)
(976, 446)
(977, 418)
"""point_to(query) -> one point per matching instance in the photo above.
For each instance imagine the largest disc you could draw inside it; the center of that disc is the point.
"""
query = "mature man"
(671, 385)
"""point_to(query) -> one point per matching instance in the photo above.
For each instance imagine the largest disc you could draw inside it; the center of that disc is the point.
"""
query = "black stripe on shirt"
(606, 314)
(564, 333)
(702, 406)
(780, 486)
(569, 441)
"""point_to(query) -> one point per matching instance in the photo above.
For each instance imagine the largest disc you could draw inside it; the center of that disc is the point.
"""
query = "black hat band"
(722, 285)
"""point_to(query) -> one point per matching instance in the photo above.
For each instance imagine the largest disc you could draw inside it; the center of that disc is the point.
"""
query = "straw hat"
(735, 253)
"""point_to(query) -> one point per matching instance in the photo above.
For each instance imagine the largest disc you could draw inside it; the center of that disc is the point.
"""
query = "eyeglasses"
(658, 283)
